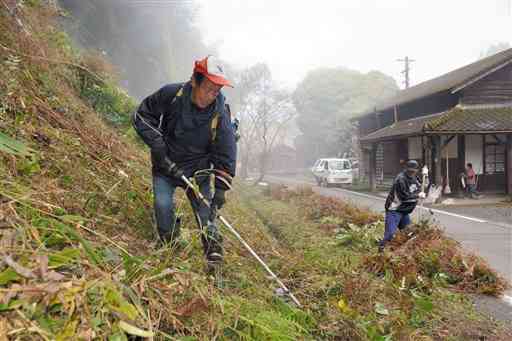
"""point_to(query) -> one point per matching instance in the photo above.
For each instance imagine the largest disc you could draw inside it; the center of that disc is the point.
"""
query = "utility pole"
(407, 61)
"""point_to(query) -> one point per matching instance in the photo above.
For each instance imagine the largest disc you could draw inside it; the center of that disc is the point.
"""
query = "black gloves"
(219, 199)
(171, 169)
(164, 164)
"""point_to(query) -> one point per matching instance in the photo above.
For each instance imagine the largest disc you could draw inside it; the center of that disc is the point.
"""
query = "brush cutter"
(244, 243)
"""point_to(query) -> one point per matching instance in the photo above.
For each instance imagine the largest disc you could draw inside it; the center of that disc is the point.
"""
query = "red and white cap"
(212, 69)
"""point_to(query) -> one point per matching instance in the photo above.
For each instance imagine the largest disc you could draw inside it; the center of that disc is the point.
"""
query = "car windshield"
(339, 165)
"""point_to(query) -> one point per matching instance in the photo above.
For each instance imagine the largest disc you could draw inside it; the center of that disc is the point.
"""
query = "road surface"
(491, 240)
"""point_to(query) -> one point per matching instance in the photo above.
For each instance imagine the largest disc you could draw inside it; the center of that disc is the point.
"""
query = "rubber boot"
(212, 243)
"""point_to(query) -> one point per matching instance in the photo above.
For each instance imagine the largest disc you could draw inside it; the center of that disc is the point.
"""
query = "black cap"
(412, 164)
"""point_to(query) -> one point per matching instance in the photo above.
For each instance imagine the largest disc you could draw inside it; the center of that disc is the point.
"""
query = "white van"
(329, 172)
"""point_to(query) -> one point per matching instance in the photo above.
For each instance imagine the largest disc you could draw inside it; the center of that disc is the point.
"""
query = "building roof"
(475, 120)
(401, 129)
(453, 81)
(481, 120)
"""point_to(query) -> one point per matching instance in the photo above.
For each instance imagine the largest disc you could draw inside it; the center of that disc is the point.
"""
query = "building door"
(494, 175)
(454, 176)
(402, 148)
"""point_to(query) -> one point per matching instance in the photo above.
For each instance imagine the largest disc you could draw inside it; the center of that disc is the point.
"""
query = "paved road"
(491, 240)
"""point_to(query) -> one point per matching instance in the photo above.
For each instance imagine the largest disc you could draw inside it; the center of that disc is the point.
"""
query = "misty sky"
(296, 36)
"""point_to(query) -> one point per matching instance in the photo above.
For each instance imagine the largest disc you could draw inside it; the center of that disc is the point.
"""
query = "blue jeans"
(164, 204)
(393, 221)
(471, 189)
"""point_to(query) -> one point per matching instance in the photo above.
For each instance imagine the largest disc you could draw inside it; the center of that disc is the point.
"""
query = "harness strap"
(178, 94)
(213, 126)
(215, 119)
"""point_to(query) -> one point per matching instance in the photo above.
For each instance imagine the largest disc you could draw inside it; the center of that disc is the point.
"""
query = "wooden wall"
(388, 159)
(496, 88)
(434, 104)
(367, 124)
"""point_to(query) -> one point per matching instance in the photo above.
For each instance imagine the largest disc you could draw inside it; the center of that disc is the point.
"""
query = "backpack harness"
(214, 122)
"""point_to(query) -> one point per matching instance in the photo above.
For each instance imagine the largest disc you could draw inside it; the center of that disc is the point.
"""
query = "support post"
(373, 167)
(508, 170)
(436, 160)
(423, 156)
(461, 160)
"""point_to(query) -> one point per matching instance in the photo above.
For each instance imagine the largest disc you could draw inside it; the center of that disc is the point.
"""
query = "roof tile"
(456, 120)
(472, 120)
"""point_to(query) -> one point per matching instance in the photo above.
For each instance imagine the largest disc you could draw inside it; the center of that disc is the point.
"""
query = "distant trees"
(326, 100)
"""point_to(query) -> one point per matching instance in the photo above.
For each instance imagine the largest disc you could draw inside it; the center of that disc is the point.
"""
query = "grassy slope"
(76, 231)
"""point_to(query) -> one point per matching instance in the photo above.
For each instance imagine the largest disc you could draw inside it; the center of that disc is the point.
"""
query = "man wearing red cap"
(188, 129)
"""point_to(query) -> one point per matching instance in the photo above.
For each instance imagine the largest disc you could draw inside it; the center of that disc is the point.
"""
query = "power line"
(406, 71)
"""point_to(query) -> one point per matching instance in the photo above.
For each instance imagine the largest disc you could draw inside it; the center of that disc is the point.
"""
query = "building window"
(494, 156)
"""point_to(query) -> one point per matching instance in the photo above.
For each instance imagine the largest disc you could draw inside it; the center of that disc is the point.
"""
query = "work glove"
(165, 165)
(219, 198)
(171, 169)
(422, 195)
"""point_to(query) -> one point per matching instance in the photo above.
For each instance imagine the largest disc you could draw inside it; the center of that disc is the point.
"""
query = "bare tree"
(247, 89)
(264, 111)
(273, 114)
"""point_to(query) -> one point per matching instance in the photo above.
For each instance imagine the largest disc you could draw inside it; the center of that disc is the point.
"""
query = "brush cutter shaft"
(255, 255)
(244, 243)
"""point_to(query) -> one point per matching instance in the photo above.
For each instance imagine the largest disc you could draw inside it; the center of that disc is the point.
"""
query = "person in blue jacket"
(401, 201)
(188, 129)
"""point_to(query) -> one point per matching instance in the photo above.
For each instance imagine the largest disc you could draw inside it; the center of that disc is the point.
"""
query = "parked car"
(313, 168)
(329, 172)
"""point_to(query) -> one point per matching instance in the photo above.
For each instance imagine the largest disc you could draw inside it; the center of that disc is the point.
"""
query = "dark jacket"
(174, 124)
(403, 195)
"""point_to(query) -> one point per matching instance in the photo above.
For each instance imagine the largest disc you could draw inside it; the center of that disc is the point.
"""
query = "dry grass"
(425, 251)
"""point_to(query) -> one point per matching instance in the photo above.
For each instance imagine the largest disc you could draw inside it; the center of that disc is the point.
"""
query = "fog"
(150, 42)
(301, 69)
(293, 37)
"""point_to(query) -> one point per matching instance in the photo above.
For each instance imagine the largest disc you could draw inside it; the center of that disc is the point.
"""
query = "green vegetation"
(77, 260)
(102, 94)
